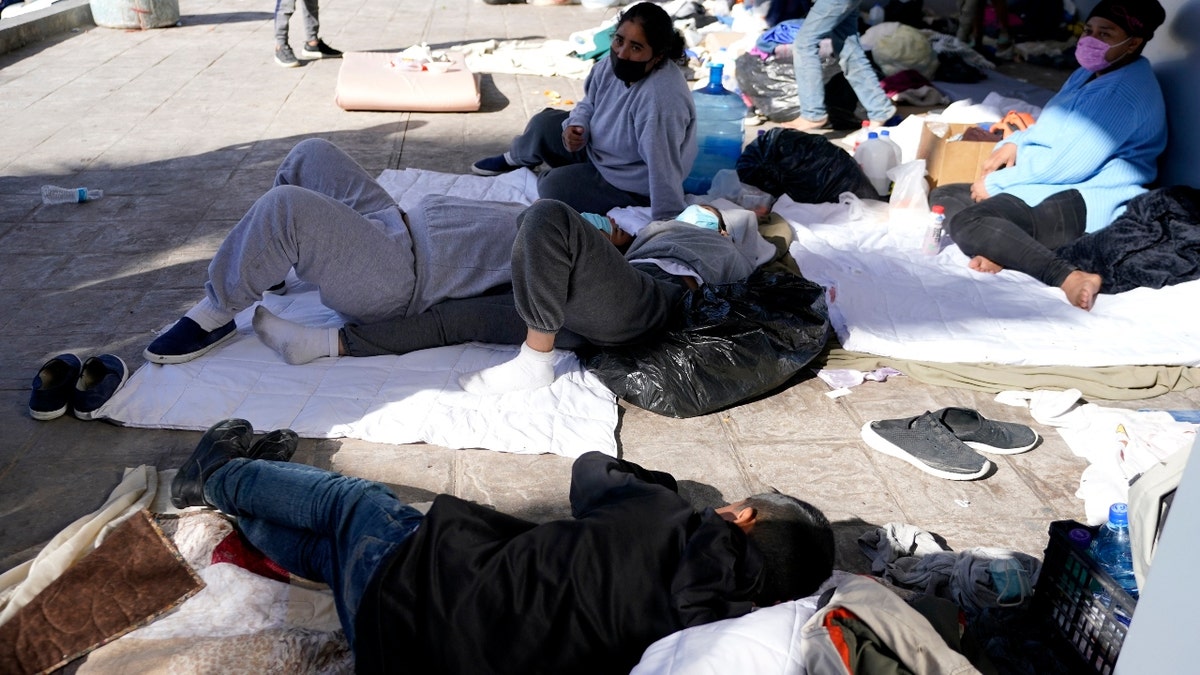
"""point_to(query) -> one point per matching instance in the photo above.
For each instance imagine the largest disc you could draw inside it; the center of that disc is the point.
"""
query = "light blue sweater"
(1101, 137)
(642, 138)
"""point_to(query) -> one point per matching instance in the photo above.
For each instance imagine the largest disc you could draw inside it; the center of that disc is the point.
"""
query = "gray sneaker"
(926, 443)
(285, 57)
(977, 431)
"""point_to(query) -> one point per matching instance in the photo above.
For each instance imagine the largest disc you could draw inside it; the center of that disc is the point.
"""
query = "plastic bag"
(806, 167)
(733, 342)
(905, 48)
(771, 87)
(909, 189)
(726, 185)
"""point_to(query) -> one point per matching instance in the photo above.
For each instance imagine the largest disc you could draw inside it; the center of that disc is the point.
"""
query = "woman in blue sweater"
(1093, 149)
(632, 139)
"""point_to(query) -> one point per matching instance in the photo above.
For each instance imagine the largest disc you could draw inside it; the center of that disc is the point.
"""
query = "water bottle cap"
(1118, 514)
(1080, 537)
(872, 135)
(938, 208)
(884, 132)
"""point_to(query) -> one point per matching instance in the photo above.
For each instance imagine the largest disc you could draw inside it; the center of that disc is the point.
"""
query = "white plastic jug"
(876, 157)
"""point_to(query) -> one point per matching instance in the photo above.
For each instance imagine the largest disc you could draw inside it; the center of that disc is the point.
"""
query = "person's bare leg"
(1082, 288)
(533, 368)
(982, 264)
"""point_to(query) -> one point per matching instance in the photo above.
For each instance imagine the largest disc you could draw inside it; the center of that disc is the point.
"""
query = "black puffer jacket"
(477, 591)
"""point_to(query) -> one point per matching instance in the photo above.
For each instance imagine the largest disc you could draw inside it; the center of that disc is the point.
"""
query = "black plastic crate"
(1081, 601)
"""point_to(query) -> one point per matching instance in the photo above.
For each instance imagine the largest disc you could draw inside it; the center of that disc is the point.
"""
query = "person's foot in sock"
(531, 369)
(296, 343)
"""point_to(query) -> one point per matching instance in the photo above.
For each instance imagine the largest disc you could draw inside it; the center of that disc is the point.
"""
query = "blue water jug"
(719, 117)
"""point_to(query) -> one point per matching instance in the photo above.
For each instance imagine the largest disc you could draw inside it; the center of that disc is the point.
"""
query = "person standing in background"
(838, 21)
(313, 48)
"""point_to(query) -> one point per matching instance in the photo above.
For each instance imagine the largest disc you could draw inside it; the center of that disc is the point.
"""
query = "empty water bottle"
(1112, 551)
(886, 137)
(719, 117)
(932, 243)
(52, 194)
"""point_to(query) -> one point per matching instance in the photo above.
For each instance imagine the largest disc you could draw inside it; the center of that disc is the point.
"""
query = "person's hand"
(979, 191)
(573, 138)
(1003, 157)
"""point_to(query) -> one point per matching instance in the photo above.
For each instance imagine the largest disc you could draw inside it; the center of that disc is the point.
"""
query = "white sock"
(208, 316)
(531, 369)
(296, 343)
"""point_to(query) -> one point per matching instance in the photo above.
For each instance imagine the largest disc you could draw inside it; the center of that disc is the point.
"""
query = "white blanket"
(386, 399)
(886, 298)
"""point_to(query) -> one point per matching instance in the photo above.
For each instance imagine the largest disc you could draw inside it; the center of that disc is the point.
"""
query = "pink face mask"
(1090, 53)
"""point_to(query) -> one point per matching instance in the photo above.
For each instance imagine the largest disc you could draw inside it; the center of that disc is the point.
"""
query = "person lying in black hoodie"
(467, 589)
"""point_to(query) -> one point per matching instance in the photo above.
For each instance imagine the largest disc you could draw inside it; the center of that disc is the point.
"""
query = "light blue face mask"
(700, 217)
(598, 221)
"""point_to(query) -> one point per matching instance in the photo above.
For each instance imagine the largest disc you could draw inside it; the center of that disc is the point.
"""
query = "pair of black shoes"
(226, 440)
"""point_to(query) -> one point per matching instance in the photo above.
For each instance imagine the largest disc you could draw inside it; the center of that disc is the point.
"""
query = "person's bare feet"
(982, 264)
(1082, 288)
(801, 124)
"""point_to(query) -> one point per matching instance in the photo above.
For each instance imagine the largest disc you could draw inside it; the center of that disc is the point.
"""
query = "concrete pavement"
(183, 128)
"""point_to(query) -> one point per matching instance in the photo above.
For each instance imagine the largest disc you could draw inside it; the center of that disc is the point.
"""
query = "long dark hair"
(659, 29)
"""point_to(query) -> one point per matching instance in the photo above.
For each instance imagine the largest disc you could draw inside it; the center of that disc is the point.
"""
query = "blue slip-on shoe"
(492, 166)
(99, 379)
(186, 340)
(52, 387)
(977, 431)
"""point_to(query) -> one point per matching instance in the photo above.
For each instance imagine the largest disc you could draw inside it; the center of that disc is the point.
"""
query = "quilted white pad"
(886, 298)
(386, 399)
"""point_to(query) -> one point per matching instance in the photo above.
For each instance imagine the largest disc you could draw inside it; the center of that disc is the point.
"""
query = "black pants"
(1013, 234)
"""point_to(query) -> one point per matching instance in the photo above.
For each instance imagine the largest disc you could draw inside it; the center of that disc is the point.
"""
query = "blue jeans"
(838, 21)
(316, 524)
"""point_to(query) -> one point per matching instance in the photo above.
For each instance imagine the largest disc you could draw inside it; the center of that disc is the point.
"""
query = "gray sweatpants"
(568, 279)
(340, 230)
(571, 178)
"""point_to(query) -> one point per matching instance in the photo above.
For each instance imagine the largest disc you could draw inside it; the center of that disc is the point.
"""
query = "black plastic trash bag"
(807, 167)
(771, 87)
(733, 342)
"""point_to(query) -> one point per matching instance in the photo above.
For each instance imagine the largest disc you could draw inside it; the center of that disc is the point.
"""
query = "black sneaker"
(275, 446)
(52, 387)
(492, 166)
(186, 340)
(977, 431)
(223, 441)
(99, 379)
(927, 444)
(319, 50)
(285, 57)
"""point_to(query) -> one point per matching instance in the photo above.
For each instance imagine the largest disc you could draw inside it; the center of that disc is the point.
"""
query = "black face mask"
(628, 71)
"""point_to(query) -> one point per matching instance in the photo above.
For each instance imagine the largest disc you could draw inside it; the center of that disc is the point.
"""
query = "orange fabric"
(1013, 122)
(835, 633)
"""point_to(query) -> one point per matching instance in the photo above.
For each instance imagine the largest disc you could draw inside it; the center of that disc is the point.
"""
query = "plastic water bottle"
(887, 138)
(52, 194)
(719, 117)
(875, 16)
(875, 158)
(932, 243)
(1112, 551)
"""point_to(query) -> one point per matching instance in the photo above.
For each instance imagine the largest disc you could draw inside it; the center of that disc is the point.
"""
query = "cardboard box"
(715, 42)
(951, 161)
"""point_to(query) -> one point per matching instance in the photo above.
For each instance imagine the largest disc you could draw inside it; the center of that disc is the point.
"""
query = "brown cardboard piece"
(715, 42)
(952, 161)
